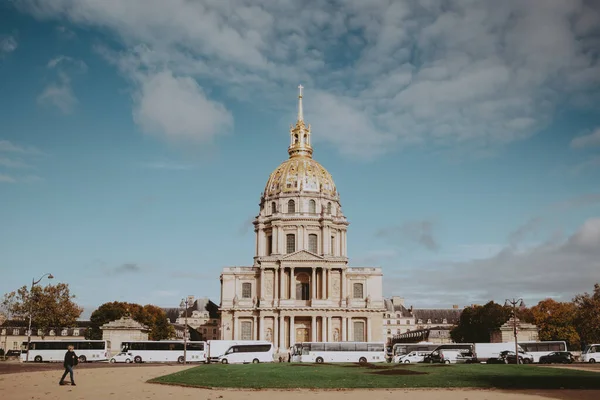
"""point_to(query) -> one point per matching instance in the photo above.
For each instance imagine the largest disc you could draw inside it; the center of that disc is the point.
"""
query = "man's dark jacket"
(70, 359)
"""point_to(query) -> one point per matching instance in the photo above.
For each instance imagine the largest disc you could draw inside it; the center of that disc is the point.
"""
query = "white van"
(485, 351)
(413, 357)
(591, 354)
(248, 353)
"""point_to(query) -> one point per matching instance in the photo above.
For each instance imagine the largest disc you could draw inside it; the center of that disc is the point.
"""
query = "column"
(262, 284)
(349, 331)
(292, 331)
(292, 284)
(235, 327)
(313, 294)
(281, 282)
(344, 336)
(323, 284)
(368, 329)
(275, 241)
(276, 289)
(323, 329)
(328, 297)
(261, 242)
(330, 329)
(261, 328)
(281, 332)
(344, 284)
(281, 240)
(255, 326)
(313, 329)
(275, 332)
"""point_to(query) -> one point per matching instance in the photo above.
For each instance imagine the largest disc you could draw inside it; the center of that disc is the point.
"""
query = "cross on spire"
(300, 87)
(300, 111)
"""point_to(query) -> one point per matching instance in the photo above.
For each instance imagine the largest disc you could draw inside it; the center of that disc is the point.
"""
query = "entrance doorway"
(302, 335)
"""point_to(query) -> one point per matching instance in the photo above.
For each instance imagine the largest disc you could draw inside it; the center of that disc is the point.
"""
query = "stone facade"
(123, 330)
(300, 287)
(14, 333)
(525, 332)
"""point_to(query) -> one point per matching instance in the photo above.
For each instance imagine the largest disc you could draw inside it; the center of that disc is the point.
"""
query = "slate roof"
(396, 308)
(203, 304)
(437, 315)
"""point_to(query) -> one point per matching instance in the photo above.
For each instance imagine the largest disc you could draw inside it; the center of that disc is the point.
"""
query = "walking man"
(71, 360)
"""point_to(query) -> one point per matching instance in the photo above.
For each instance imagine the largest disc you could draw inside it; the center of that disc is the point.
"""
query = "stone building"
(122, 330)
(526, 332)
(202, 316)
(14, 332)
(300, 287)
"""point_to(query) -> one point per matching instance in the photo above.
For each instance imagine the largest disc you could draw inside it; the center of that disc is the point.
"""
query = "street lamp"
(514, 303)
(184, 304)
(33, 283)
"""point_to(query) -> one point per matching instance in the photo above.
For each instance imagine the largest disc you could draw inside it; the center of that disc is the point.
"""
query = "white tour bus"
(591, 353)
(217, 348)
(399, 350)
(538, 349)
(256, 352)
(319, 352)
(54, 350)
(165, 351)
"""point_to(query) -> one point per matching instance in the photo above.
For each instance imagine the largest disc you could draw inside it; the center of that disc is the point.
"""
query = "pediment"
(302, 255)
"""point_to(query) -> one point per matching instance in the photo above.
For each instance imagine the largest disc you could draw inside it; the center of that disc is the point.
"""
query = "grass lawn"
(291, 375)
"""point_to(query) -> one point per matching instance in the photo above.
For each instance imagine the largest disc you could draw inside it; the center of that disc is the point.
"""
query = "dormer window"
(444, 321)
(273, 208)
(312, 207)
(429, 321)
(328, 208)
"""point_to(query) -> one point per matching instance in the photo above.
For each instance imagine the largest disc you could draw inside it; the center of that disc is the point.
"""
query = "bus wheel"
(224, 361)
(38, 359)
(255, 361)
(362, 360)
(319, 360)
(180, 360)
(137, 359)
(592, 360)
(112, 361)
(82, 359)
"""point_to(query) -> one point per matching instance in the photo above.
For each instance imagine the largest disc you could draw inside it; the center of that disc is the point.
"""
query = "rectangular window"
(359, 333)
(246, 330)
(290, 243)
(246, 290)
(269, 245)
(312, 243)
(358, 290)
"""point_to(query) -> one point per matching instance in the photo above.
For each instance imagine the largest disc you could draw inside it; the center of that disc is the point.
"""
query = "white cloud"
(6, 178)
(13, 163)
(178, 107)
(8, 44)
(584, 141)
(9, 147)
(558, 269)
(60, 93)
(379, 76)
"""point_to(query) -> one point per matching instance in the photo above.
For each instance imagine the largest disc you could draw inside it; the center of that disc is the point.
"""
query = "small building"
(14, 332)
(436, 335)
(122, 330)
(526, 332)
(203, 319)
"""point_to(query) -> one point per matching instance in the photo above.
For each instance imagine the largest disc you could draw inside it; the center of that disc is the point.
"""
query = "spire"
(300, 111)
(300, 133)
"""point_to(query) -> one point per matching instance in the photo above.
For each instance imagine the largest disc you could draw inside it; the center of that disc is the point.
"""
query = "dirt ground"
(105, 381)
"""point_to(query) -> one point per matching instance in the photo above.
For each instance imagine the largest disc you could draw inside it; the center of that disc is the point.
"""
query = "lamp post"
(184, 304)
(513, 303)
(33, 283)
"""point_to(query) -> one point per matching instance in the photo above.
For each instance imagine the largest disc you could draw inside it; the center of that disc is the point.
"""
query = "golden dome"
(300, 174)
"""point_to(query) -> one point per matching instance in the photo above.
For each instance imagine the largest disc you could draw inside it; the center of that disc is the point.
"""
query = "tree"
(153, 317)
(556, 321)
(50, 307)
(477, 322)
(588, 315)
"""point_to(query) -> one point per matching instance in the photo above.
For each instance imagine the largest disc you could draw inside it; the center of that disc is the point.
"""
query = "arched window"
(291, 207)
(290, 242)
(312, 207)
(328, 208)
(246, 290)
(273, 208)
(312, 243)
(358, 290)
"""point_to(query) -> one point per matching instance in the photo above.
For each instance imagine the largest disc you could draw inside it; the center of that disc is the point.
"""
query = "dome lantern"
(300, 133)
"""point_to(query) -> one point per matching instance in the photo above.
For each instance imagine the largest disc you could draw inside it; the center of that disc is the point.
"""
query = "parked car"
(508, 357)
(559, 357)
(413, 357)
(122, 357)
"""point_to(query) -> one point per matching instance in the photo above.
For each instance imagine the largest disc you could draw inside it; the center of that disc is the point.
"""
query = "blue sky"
(464, 138)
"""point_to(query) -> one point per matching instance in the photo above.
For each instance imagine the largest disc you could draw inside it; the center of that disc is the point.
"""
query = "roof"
(437, 315)
(15, 323)
(202, 304)
(396, 308)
